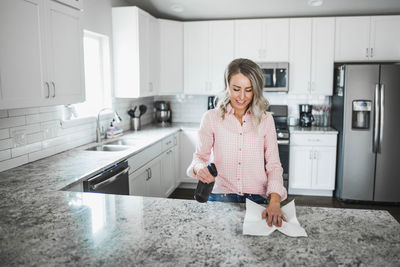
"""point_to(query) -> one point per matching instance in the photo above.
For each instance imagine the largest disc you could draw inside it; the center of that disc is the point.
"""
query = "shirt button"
(239, 163)
(240, 133)
(240, 149)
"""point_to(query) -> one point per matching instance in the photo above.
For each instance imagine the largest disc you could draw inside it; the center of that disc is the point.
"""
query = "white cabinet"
(171, 57)
(311, 56)
(153, 170)
(367, 38)
(312, 165)
(65, 54)
(208, 49)
(168, 172)
(136, 52)
(187, 146)
(147, 180)
(41, 54)
(262, 39)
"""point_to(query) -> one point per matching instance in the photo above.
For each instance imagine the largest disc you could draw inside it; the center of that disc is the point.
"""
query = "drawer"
(144, 156)
(168, 142)
(313, 139)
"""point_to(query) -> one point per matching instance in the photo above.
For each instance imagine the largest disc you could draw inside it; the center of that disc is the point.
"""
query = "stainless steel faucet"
(98, 132)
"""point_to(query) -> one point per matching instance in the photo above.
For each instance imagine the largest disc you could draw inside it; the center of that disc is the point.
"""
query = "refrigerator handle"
(376, 120)
(381, 113)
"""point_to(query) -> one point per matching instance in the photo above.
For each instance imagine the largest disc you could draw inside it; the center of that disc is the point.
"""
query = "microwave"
(276, 76)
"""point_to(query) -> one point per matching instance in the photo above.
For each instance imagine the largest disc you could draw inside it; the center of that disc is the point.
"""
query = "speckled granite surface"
(42, 226)
(312, 130)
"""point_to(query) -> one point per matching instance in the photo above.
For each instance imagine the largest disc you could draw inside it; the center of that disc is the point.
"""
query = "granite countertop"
(41, 225)
(312, 130)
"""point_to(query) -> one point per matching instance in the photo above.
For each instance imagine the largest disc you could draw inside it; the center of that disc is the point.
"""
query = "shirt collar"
(230, 110)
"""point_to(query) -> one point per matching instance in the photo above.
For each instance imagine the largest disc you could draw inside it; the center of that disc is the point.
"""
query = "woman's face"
(241, 92)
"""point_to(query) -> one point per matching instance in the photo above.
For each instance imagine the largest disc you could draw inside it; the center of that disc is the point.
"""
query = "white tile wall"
(190, 108)
(30, 134)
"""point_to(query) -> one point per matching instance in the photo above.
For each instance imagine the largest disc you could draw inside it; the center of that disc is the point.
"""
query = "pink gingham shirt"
(238, 153)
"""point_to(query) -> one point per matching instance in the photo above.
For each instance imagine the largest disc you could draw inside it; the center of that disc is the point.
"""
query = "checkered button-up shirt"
(238, 152)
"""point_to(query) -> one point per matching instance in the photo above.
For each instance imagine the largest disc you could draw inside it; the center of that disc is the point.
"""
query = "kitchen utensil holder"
(135, 124)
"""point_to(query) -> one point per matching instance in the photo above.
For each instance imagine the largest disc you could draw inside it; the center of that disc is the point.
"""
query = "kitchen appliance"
(162, 112)
(280, 115)
(276, 76)
(365, 112)
(306, 117)
(114, 180)
(203, 190)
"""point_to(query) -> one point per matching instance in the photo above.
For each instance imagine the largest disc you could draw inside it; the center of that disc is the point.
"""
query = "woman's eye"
(236, 90)
(249, 91)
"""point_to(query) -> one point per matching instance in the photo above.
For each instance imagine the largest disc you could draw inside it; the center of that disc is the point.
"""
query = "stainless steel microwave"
(276, 76)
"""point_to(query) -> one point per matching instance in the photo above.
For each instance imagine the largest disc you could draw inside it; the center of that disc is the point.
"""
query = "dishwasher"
(114, 180)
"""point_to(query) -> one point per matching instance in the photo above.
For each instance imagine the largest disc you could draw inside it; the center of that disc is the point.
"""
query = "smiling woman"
(97, 74)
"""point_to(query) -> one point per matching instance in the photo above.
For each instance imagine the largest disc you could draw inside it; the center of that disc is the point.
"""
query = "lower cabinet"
(154, 174)
(312, 164)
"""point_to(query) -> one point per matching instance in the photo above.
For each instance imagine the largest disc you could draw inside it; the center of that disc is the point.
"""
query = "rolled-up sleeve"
(273, 165)
(204, 144)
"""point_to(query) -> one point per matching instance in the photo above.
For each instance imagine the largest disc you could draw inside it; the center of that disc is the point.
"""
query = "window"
(97, 75)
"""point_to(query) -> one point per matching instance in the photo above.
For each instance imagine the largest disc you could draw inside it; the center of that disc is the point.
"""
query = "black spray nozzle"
(212, 169)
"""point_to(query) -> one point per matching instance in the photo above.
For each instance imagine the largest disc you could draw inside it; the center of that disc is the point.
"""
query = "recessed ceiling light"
(177, 8)
(315, 2)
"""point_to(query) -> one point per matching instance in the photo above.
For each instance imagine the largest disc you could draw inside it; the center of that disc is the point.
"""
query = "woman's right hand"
(204, 175)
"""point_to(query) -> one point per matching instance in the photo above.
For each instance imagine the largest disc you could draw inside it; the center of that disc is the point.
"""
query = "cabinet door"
(137, 182)
(324, 165)
(187, 146)
(275, 36)
(385, 38)
(65, 54)
(196, 57)
(168, 172)
(248, 41)
(171, 57)
(300, 56)
(154, 56)
(221, 53)
(352, 38)
(144, 50)
(22, 57)
(154, 183)
(300, 167)
(322, 60)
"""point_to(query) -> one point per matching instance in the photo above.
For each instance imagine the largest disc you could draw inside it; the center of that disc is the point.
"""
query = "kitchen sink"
(124, 142)
(108, 148)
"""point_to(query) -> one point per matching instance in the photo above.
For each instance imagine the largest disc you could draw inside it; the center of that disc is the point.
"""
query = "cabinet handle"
(54, 88)
(169, 142)
(148, 174)
(366, 52)
(372, 52)
(313, 140)
(311, 157)
(151, 174)
(315, 154)
(48, 90)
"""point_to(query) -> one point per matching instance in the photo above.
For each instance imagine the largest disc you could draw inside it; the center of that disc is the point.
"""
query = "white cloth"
(255, 225)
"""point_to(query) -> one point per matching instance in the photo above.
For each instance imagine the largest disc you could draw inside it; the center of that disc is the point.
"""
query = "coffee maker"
(306, 118)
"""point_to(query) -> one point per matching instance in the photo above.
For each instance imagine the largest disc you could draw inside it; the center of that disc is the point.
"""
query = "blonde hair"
(253, 72)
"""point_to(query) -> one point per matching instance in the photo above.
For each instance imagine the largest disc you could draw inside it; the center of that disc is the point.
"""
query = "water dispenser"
(361, 114)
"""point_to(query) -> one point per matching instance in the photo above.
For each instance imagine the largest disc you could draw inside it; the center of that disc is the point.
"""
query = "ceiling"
(232, 9)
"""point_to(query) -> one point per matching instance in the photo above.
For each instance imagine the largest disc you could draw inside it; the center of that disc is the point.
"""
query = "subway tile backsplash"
(30, 134)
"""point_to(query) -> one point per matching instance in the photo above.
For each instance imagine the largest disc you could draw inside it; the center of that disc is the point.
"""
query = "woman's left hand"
(274, 214)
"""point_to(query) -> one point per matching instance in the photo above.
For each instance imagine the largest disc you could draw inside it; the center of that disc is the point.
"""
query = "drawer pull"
(314, 140)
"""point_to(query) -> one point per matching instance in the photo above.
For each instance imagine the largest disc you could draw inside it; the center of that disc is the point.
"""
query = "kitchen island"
(42, 225)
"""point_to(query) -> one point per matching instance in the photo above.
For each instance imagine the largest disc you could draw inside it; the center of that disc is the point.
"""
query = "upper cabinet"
(262, 39)
(41, 54)
(171, 57)
(208, 49)
(136, 52)
(311, 56)
(367, 38)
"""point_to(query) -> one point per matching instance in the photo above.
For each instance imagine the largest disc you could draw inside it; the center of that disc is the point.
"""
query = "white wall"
(30, 134)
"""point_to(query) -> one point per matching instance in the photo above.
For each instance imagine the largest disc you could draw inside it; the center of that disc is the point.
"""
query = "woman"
(240, 135)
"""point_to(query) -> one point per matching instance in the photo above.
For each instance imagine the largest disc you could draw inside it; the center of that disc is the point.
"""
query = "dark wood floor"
(312, 201)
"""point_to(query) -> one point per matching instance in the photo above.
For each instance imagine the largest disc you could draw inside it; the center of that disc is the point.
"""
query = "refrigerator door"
(387, 181)
(358, 156)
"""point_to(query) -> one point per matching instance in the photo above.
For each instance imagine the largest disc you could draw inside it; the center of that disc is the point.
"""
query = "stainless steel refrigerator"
(366, 112)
